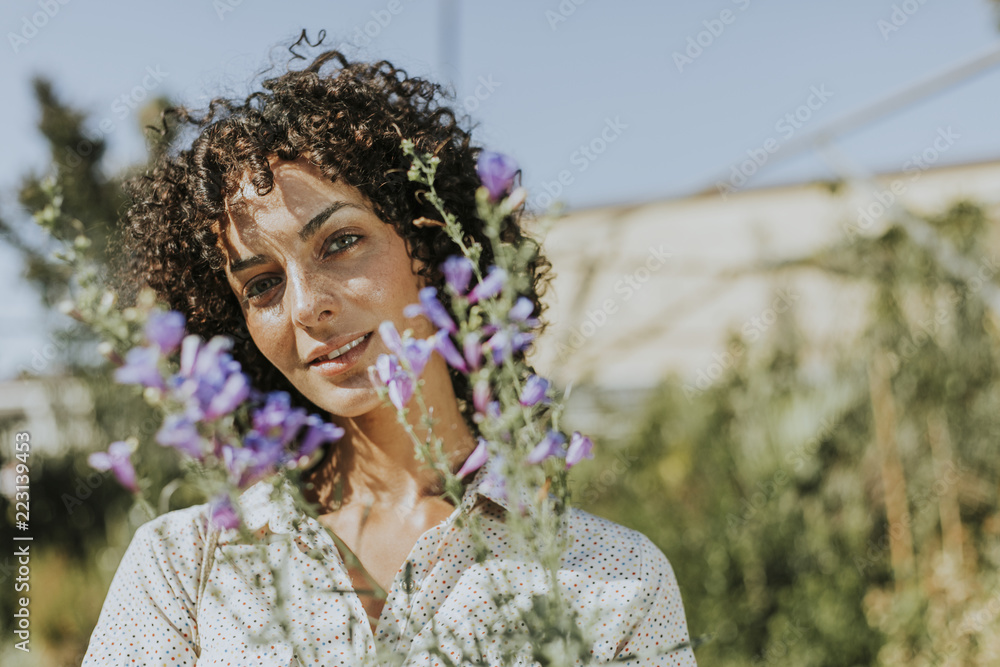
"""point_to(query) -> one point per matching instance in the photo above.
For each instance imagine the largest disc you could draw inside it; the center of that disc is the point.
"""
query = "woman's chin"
(347, 402)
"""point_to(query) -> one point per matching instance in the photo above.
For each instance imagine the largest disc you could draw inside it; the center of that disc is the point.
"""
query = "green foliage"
(81, 516)
(768, 491)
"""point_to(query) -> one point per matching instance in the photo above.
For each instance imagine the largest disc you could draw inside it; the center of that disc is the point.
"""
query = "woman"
(291, 225)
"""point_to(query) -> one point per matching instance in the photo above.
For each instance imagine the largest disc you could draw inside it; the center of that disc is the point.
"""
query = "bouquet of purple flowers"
(238, 435)
(234, 436)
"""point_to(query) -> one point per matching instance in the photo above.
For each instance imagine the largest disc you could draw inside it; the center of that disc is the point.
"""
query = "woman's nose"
(312, 300)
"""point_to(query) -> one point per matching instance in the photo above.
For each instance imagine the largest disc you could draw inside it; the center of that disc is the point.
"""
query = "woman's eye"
(257, 289)
(339, 243)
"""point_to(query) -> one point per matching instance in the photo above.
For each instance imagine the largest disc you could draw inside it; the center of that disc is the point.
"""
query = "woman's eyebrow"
(317, 221)
(246, 263)
(305, 233)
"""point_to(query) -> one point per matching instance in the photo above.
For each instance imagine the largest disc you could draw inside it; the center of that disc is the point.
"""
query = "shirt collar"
(269, 510)
(486, 484)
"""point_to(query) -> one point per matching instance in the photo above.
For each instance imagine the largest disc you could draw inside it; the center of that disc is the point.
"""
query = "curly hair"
(349, 122)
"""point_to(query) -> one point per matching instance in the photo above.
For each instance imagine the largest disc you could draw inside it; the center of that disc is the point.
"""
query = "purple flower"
(494, 482)
(446, 348)
(417, 353)
(180, 432)
(117, 460)
(277, 419)
(497, 172)
(385, 366)
(476, 459)
(210, 382)
(189, 353)
(490, 285)
(521, 310)
(165, 330)
(534, 390)
(481, 395)
(391, 337)
(273, 413)
(318, 432)
(520, 341)
(400, 391)
(472, 350)
(580, 447)
(551, 445)
(233, 393)
(435, 312)
(212, 357)
(223, 513)
(457, 271)
(395, 379)
(141, 368)
(256, 459)
(500, 346)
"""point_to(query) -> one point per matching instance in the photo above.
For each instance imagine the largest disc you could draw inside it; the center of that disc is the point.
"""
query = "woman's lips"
(336, 366)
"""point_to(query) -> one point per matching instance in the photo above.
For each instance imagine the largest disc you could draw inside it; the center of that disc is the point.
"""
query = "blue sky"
(594, 93)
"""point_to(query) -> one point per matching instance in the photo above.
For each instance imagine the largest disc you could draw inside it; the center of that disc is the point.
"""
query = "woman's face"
(315, 269)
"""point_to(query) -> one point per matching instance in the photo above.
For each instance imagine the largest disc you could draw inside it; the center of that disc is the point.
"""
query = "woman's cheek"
(264, 331)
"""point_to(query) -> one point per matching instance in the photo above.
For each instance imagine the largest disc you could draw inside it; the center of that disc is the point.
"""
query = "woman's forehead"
(300, 191)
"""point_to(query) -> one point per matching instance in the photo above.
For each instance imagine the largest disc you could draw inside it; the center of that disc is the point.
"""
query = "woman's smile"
(342, 358)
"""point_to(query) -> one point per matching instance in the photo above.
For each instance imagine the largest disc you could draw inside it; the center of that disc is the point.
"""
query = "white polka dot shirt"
(439, 603)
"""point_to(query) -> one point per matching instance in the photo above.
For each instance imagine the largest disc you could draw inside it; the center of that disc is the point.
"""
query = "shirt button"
(408, 585)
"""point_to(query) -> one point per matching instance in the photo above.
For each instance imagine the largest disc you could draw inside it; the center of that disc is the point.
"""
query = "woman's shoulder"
(175, 539)
(628, 587)
(191, 519)
(615, 550)
(190, 528)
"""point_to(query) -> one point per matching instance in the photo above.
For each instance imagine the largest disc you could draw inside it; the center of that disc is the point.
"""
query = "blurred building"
(57, 412)
(642, 290)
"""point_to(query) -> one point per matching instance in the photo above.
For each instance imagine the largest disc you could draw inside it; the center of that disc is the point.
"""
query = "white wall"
(620, 337)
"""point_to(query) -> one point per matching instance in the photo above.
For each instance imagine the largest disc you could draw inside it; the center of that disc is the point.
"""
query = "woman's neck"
(375, 464)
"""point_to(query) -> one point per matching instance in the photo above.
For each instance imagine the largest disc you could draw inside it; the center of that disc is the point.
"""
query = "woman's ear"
(416, 266)
(422, 281)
